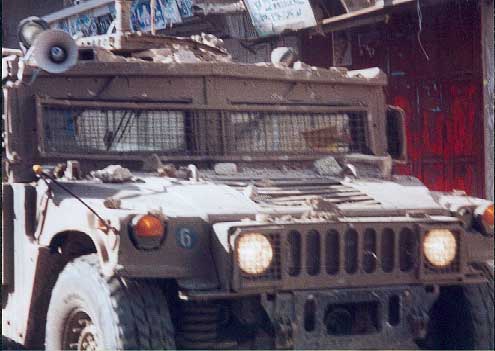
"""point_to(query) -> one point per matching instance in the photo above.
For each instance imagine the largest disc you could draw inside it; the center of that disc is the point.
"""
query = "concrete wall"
(13, 11)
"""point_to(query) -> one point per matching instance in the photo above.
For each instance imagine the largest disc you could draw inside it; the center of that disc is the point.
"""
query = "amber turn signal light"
(37, 169)
(149, 226)
(487, 216)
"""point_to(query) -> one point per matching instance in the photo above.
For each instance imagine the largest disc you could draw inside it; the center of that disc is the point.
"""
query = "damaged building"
(438, 56)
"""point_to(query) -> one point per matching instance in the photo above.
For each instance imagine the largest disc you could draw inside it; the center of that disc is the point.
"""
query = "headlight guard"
(262, 268)
(431, 270)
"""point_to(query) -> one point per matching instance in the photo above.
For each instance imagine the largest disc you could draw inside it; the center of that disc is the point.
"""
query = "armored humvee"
(180, 200)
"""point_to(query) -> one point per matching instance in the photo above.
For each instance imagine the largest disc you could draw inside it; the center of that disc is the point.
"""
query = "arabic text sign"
(274, 16)
(166, 14)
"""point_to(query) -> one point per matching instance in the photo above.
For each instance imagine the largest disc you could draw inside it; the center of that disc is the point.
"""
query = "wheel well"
(72, 244)
(64, 247)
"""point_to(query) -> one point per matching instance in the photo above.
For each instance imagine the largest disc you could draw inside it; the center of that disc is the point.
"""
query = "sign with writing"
(185, 8)
(272, 17)
(91, 23)
(97, 21)
(167, 13)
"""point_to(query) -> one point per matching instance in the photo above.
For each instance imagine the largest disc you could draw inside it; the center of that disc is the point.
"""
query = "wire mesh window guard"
(202, 133)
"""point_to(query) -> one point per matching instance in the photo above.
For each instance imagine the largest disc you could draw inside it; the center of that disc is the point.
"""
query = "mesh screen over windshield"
(208, 133)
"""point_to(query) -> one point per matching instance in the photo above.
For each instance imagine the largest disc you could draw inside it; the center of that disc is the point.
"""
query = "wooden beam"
(74, 10)
(365, 11)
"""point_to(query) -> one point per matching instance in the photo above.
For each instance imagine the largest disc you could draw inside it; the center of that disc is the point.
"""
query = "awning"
(364, 16)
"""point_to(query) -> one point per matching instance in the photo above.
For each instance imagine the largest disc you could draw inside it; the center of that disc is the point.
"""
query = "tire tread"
(141, 314)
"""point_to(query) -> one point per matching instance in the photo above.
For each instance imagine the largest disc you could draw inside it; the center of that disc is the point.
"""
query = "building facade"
(438, 56)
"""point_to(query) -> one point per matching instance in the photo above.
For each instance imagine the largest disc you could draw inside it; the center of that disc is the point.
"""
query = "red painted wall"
(441, 94)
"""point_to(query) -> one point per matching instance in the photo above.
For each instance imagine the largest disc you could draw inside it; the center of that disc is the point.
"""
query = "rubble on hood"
(225, 168)
(198, 48)
(327, 166)
(113, 174)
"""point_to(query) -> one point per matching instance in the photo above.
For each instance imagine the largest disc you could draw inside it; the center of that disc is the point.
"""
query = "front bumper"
(369, 319)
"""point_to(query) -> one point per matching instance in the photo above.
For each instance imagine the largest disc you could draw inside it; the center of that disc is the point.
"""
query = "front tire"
(462, 317)
(88, 311)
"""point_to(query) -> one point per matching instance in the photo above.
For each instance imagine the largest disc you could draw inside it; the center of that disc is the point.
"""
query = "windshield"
(204, 133)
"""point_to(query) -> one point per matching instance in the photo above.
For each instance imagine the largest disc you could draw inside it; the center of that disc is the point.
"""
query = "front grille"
(358, 255)
(90, 130)
(353, 251)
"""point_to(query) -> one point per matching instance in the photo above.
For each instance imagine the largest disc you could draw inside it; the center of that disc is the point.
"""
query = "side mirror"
(396, 133)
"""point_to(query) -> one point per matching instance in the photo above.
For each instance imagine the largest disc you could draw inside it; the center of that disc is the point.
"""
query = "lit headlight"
(254, 253)
(440, 247)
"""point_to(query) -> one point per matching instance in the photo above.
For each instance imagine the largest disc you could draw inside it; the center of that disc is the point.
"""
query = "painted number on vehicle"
(186, 238)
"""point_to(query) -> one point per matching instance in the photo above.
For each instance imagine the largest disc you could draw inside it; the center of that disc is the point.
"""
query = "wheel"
(462, 317)
(89, 312)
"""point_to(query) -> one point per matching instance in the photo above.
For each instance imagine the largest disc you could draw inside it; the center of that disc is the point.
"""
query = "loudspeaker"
(54, 51)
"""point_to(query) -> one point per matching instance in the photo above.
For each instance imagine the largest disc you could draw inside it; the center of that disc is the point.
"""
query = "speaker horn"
(54, 51)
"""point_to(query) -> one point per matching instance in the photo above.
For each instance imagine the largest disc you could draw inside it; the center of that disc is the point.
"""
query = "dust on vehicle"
(159, 196)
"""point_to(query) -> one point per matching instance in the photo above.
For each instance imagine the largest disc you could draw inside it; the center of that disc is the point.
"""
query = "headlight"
(440, 247)
(254, 253)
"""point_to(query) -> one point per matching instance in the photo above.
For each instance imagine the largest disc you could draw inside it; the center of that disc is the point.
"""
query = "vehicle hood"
(216, 200)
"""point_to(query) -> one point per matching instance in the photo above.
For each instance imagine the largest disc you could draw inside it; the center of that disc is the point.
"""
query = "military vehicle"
(158, 196)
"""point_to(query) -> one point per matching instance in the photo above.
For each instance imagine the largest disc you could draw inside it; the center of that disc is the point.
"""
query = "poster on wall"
(272, 17)
(342, 50)
(97, 21)
(167, 13)
(91, 23)
(185, 8)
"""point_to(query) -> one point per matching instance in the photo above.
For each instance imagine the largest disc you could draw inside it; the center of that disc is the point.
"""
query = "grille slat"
(294, 253)
(408, 246)
(313, 260)
(332, 252)
(369, 252)
(387, 250)
(351, 251)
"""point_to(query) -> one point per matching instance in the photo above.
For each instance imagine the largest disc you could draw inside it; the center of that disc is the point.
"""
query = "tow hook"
(418, 321)
(284, 333)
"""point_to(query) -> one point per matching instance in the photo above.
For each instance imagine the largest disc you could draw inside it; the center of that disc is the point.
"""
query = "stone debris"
(250, 192)
(327, 166)
(112, 203)
(201, 48)
(182, 55)
(208, 39)
(113, 174)
(225, 168)
(167, 170)
(283, 56)
(151, 163)
(183, 173)
(301, 66)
